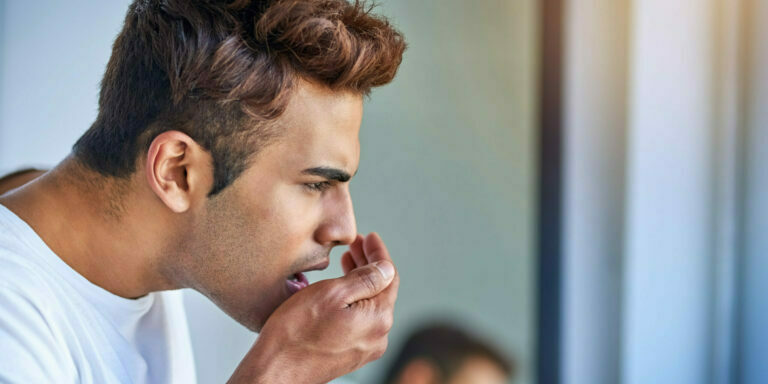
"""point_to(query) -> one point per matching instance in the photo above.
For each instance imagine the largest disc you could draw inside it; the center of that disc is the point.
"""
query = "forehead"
(479, 370)
(321, 125)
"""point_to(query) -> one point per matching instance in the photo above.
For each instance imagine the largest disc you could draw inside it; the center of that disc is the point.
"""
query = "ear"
(178, 170)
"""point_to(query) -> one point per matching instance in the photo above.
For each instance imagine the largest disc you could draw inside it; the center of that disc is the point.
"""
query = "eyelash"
(319, 187)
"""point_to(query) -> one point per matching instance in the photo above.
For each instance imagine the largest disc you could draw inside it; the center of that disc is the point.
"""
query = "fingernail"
(386, 268)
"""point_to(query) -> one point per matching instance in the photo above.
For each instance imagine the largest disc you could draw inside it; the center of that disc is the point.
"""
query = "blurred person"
(445, 354)
(226, 136)
(18, 178)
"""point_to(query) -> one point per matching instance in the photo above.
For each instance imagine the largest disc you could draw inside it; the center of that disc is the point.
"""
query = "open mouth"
(297, 282)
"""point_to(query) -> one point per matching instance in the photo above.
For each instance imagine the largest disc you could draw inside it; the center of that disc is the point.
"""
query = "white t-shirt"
(57, 327)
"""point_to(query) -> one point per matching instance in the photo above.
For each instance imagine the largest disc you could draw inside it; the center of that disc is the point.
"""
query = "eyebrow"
(329, 173)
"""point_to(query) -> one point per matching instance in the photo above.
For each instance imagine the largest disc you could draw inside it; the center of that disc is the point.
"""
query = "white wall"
(54, 54)
(446, 172)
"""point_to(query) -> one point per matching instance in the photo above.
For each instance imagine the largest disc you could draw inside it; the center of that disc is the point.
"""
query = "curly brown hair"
(220, 71)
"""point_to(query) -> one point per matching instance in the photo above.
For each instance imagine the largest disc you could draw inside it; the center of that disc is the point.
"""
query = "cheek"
(258, 238)
(290, 218)
(275, 229)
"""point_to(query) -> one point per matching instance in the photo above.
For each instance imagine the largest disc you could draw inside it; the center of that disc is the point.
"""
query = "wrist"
(262, 365)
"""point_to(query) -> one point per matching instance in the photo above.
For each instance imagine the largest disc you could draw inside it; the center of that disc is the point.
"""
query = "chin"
(252, 320)
(250, 315)
(253, 325)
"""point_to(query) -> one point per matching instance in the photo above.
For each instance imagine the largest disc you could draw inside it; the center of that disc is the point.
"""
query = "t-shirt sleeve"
(28, 350)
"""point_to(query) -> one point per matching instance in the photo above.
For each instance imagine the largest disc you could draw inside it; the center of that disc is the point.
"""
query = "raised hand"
(330, 328)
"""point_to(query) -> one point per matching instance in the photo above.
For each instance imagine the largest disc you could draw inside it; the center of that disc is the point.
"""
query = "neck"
(98, 226)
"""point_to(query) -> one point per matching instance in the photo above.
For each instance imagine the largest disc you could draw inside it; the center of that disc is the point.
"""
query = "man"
(220, 159)
(445, 354)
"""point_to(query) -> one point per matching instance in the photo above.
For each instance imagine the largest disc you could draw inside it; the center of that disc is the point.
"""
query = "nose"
(338, 226)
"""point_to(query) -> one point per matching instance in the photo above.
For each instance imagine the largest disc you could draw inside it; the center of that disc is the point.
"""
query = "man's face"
(283, 215)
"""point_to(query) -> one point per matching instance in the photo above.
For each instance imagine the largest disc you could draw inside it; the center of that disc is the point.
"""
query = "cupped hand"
(331, 327)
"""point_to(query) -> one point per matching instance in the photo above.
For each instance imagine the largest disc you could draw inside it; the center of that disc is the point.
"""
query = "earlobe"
(172, 167)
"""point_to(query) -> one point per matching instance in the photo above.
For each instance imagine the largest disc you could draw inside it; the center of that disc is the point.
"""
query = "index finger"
(374, 248)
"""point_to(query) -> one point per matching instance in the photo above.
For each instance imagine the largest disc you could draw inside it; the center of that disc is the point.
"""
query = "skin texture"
(239, 247)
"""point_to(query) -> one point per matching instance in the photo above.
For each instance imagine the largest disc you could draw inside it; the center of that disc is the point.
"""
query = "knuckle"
(384, 326)
(380, 350)
(381, 325)
(314, 312)
(336, 294)
(389, 321)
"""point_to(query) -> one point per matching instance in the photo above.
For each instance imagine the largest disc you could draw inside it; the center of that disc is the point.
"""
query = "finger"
(374, 248)
(356, 249)
(347, 263)
(384, 301)
(366, 282)
(388, 296)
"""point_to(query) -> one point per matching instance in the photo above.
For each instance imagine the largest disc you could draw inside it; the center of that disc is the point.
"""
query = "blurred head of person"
(18, 178)
(445, 354)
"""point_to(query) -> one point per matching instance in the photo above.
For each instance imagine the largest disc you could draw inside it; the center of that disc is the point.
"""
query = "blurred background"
(578, 184)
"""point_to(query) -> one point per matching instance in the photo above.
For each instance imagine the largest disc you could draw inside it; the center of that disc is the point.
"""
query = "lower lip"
(297, 285)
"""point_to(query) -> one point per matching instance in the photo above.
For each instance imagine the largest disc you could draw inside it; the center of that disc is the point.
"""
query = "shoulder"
(23, 267)
(25, 292)
(20, 274)
(30, 350)
(26, 295)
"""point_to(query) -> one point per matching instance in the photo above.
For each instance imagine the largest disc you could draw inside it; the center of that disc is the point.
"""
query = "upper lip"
(319, 266)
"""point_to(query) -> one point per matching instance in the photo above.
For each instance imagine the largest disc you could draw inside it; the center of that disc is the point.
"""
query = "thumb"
(367, 281)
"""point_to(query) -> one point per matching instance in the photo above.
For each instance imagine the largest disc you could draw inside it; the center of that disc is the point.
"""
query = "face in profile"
(249, 244)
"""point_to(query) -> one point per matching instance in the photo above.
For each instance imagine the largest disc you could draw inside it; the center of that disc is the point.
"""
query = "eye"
(318, 187)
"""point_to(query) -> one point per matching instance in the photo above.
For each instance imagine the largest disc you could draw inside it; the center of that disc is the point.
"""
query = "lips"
(297, 282)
